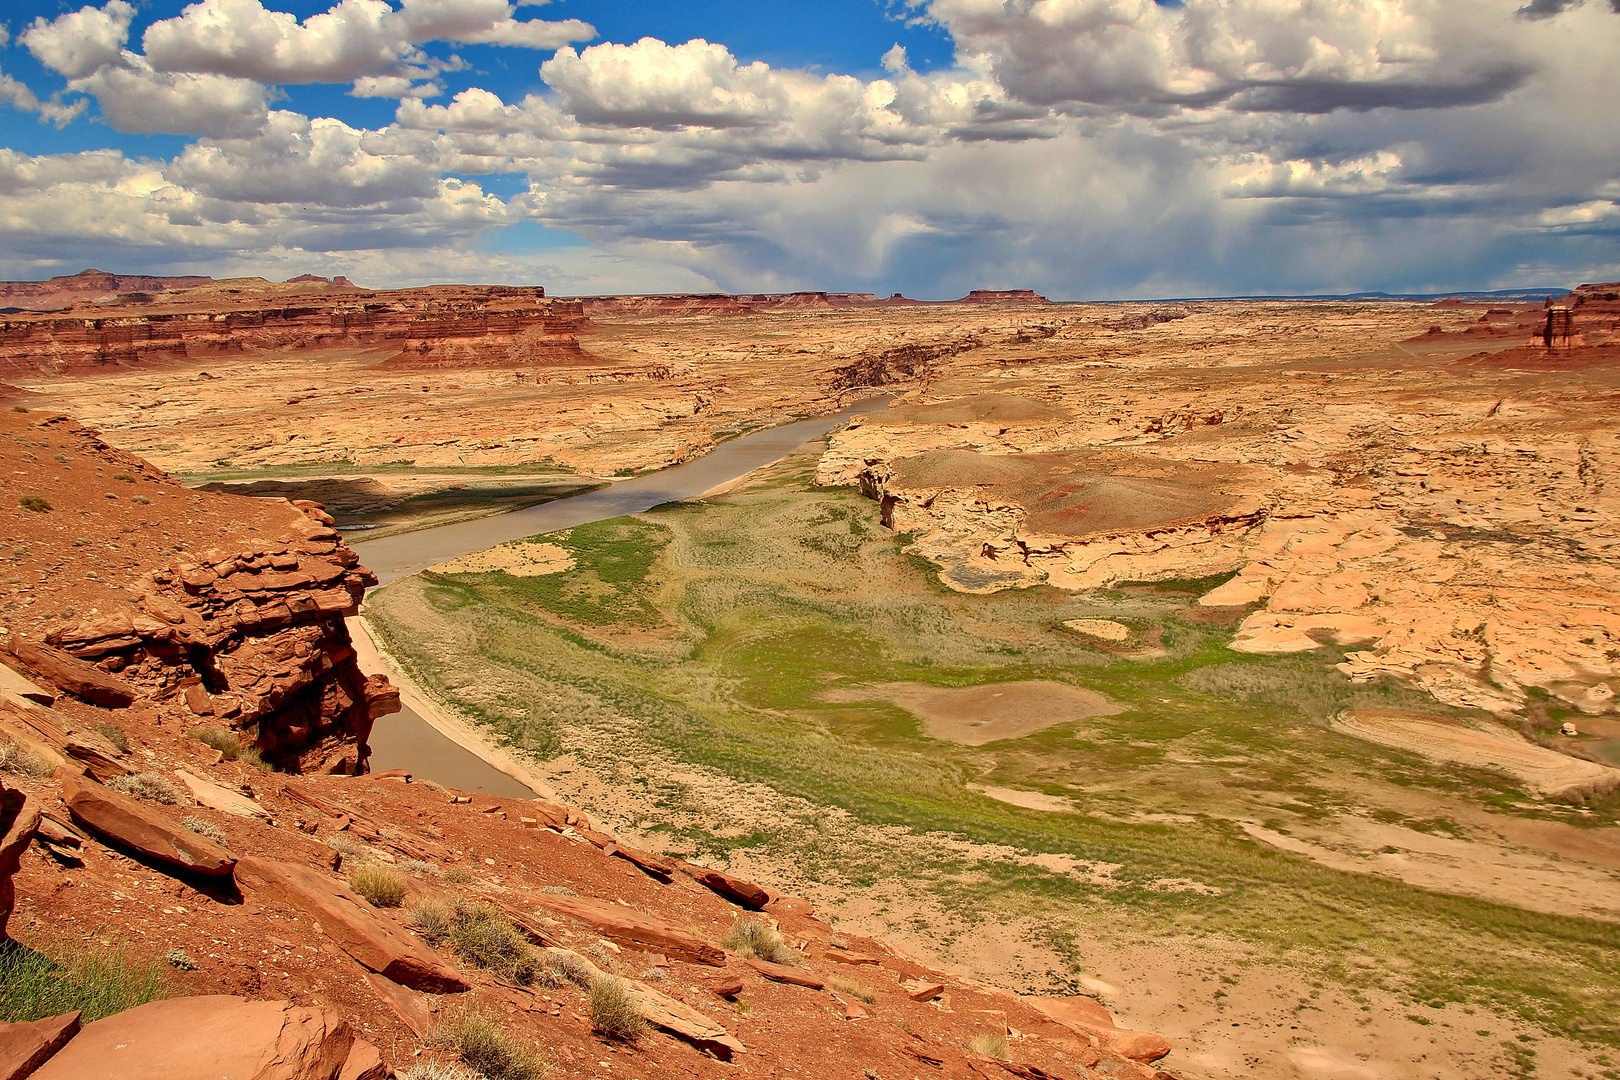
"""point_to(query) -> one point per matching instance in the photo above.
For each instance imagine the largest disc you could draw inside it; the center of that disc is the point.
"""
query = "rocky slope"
(87, 285)
(126, 589)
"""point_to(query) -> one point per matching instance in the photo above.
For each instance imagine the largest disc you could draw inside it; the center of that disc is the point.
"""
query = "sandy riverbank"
(374, 659)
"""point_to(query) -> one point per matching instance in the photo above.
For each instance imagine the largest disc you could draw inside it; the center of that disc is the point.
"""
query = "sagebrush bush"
(569, 967)
(613, 1011)
(218, 738)
(432, 918)
(380, 886)
(146, 786)
(37, 503)
(64, 976)
(758, 940)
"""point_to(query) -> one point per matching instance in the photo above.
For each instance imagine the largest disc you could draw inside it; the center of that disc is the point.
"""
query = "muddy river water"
(405, 740)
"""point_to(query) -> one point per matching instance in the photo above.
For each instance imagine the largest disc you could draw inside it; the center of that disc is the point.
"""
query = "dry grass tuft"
(492, 1051)
(757, 939)
(146, 786)
(853, 989)
(481, 935)
(217, 738)
(613, 1012)
(113, 734)
(204, 827)
(990, 1045)
(380, 886)
(19, 762)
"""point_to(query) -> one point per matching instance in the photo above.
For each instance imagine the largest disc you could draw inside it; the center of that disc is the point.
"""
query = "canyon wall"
(127, 590)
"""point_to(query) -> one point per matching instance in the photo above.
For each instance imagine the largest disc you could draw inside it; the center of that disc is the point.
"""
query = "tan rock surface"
(216, 1036)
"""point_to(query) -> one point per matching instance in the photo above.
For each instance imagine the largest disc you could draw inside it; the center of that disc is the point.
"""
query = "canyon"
(1006, 636)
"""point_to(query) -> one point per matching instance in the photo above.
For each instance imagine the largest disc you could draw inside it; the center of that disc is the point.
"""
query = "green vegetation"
(709, 637)
(97, 980)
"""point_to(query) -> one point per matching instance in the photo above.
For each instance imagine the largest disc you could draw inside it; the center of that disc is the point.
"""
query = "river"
(407, 741)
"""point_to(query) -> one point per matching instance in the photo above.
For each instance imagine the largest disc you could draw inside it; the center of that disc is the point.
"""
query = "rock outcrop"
(87, 285)
(19, 821)
(247, 635)
(136, 826)
(439, 327)
(215, 1036)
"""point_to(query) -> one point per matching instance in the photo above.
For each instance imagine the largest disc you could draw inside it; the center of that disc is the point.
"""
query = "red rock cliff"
(129, 591)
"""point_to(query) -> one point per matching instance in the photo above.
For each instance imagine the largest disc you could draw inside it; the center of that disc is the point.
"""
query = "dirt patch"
(1029, 800)
(975, 715)
(1106, 629)
(1539, 769)
(520, 559)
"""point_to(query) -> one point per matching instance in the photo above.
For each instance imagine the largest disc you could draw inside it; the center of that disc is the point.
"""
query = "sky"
(1089, 149)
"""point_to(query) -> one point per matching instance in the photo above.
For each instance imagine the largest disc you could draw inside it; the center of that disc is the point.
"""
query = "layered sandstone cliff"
(124, 589)
(454, 326)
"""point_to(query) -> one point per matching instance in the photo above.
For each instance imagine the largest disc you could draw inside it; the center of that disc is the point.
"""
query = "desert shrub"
(217, 738)
(124, 476)
(432, 918)
(559, 890)
(113, 734)
(204, 827)
(139, 500)
(179, 958)
(613, 1012)
(990, 1045)
(37, 503)
(492, 1051)
(655, 974)
(458, 875)
(19, 408)
(757, 939)
(380, 886)
(485, 938)
(96, 980)
(146, 786)
(853, 989)
(18, 761)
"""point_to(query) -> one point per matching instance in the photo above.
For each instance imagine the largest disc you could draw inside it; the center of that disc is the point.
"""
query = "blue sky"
(1086, 148)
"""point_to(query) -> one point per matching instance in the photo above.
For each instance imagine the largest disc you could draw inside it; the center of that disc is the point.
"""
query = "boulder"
(19, 821)
(25, 1047)
(138, 826)
(78, 678)
(204, 1038)
(14, 687)
(222, 799)
(1089, 1017)
(365, 1062)
(630, 925)
(352, 924)
(732, 888)
(783, 974)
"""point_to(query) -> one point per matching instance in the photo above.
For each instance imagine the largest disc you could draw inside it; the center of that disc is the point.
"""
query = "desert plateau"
(1198, 689)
